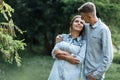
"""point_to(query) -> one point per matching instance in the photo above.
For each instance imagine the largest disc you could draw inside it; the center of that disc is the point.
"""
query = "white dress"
(63, 70)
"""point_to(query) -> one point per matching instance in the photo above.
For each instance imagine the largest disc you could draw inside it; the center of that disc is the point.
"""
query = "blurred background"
(42, 21)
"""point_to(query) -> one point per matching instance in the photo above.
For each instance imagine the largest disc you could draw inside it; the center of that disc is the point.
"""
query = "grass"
(34, 68)
(38, 68)
(114, 72)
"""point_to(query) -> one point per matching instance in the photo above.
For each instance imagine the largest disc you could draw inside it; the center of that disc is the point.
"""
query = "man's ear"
(89, 16)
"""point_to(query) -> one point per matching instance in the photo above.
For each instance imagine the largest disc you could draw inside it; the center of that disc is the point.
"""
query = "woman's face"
(78, 24)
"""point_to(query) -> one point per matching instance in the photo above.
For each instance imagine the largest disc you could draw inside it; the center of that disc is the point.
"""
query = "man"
(99, 52)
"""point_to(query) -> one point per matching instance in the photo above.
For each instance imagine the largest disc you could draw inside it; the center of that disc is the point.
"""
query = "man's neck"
(93, 21)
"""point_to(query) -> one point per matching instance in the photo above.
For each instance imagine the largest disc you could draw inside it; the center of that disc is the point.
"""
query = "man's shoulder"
(86, 25)
(104, 28)
(101, 25)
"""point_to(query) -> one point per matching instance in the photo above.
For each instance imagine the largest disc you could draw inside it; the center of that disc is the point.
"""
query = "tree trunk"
(47, 45)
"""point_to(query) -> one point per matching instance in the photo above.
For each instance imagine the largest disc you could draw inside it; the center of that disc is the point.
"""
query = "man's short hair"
(87, 7)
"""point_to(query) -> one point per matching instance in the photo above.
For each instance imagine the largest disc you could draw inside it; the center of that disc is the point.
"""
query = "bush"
(116, 58)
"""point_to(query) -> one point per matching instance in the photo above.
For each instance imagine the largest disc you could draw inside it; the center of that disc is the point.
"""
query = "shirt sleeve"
(107, 50)
(81, 54)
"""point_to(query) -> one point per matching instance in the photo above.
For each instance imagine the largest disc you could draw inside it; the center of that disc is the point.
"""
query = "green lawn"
(38, 68)
(34, 68)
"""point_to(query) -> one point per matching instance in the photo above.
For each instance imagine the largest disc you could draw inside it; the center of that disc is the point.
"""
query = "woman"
(69, 53)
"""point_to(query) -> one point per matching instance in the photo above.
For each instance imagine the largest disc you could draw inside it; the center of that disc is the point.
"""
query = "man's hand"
(58, 38)
(92, 77)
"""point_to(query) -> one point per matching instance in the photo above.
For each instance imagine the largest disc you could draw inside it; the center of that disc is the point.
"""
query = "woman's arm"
(66, 56)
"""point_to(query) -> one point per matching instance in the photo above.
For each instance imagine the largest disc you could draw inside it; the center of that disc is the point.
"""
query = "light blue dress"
(63, 70)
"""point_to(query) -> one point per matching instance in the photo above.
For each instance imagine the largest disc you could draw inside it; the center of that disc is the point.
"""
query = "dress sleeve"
(56, 47)
(81, 55)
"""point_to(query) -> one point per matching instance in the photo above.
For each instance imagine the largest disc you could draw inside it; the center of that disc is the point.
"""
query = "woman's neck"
(74, 34)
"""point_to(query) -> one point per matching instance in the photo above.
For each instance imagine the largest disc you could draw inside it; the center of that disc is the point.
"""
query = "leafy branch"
(9, 47)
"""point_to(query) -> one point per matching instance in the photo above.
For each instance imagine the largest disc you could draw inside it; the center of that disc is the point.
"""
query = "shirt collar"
(96, 24)
(77, 39)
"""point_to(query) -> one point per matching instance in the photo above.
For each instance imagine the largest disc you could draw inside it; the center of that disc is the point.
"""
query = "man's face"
(85, 17)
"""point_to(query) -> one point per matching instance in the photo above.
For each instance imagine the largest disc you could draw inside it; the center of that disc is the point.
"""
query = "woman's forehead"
(79, 19)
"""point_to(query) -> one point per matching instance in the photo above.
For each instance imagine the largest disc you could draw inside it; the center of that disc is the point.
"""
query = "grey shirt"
(99, 51)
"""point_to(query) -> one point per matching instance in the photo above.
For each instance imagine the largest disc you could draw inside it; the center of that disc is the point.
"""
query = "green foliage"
(115, 71)
(9, 46)
(116, 58)
(4, 7)
(44, 19)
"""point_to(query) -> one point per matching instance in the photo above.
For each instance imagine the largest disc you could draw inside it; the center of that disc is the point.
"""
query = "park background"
(42, 21)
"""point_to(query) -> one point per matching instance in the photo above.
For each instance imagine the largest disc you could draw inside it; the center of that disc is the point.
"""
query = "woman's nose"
(79, 23)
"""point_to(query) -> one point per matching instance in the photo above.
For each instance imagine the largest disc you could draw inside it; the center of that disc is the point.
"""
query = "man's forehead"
(83, 14)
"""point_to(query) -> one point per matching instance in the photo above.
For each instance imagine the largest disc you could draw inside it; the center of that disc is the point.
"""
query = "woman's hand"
(72, 59)
(59, 54)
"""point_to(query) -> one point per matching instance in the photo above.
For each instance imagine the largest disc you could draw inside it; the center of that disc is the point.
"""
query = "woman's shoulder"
(65, 36)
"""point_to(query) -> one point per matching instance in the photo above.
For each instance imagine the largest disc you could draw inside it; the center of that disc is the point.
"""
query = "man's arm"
(107, 50)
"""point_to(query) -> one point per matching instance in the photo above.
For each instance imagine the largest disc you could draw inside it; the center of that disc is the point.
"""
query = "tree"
(9, 46)
(44, 19)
